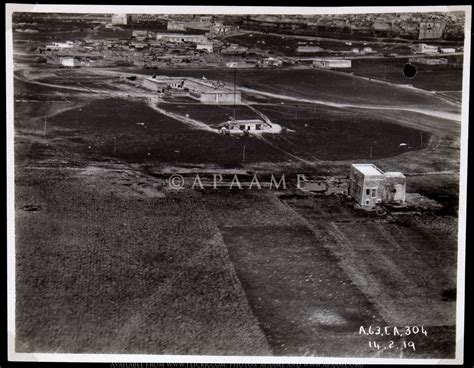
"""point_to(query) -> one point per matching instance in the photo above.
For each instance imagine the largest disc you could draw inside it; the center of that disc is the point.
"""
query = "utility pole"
(243, 154)
(44, 128)
(235, 72)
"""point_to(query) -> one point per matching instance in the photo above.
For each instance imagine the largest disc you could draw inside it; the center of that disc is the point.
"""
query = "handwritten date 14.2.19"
(392, 345)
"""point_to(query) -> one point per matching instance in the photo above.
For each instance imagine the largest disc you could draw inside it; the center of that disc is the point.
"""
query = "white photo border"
(234, 10)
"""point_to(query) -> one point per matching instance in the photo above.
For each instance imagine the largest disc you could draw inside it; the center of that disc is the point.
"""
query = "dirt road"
(438, 114)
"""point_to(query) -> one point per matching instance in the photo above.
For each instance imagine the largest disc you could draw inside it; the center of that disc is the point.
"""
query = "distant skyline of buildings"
(405, 25)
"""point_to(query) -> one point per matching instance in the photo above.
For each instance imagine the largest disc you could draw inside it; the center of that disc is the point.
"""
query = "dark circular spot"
(449, 295)
(31, 207)
(409, 71)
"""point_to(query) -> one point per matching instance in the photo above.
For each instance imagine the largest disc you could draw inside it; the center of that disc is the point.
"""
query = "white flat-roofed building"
(245, 125)
(447, 50)
(240, 64)
(68, 62)
(209, 46)
(119, 19)
(54, 46)
(332, 63)
(181, 37)
(369, 186)
(426, 49)
(308, 49)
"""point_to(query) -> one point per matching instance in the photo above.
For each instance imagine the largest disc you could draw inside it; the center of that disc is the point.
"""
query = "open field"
(142, 134)
(437, 79)
(204, 273)
(213, 115)
(108, 282)
(339, 134)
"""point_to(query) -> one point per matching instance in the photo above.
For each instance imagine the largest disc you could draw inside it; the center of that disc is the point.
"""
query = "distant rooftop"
(368, 169)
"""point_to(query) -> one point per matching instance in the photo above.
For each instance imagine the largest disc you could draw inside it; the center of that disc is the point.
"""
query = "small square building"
(369, 186)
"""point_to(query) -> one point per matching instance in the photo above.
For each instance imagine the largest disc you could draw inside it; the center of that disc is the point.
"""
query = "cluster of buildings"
(407, 25)
(409, 28)
(362, 51)
(205, 91)
(207, 23)
(154, 49)
(184, 23)
(423, 48)
(194, 40)
(70, 54)
(430, 50)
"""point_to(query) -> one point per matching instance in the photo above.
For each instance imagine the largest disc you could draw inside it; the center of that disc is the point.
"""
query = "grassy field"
(92, 277)
(220, 272)
(324, 133)
(143, 135)
(430, 79)
(213, 115)
(291, 278)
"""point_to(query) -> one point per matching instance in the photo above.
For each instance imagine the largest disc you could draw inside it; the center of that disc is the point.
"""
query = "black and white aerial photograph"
(237, 184)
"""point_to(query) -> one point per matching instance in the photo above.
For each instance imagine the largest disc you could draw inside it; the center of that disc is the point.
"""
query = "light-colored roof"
(394, 174)
(161, 80)
(337, 58)
(368, 169)
(247, 121)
